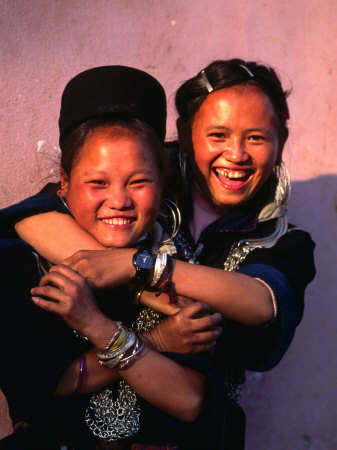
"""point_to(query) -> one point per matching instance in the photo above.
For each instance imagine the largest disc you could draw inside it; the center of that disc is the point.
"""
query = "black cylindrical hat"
(113, 90)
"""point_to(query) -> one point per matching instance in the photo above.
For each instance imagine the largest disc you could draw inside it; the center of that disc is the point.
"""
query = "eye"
(257, 138)
(140, 182)
(218, 135)
(97, 182)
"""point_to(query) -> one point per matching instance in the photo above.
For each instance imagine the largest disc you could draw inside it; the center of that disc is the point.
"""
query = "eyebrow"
(94, 172)
(249, 130)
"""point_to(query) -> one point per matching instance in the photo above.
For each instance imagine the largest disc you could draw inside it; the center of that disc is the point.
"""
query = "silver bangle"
(120, 361)
(160, 264)
(114, 337)
(137, 349)
(130, 341)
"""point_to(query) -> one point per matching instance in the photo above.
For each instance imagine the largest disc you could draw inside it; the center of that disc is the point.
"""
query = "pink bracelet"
(81, 375)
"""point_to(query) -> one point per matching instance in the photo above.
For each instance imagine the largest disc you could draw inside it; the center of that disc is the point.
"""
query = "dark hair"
(73, 142)
(221, 74)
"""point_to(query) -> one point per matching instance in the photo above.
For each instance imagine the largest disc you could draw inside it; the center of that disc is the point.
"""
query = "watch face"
(144, 260)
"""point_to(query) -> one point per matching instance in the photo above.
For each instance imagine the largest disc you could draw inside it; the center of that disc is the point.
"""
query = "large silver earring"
(277, 206)
(182, 156)
(283, 187)
(169, 208)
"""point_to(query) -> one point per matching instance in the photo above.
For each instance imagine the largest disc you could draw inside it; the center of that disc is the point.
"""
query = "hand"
(103, 268)
(194, 329)
(70, 296)
(162, 304)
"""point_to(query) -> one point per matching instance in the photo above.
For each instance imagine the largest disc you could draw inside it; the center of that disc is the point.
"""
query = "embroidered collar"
(237, 221)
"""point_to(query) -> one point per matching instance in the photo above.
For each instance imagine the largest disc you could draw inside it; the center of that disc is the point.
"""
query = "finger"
(216, 318)
(201, 348)
(68, 272)
(206, 337)
(46, 304)
(182, 301)
(56, 279)
(80, 265)
(196, 309)
(64, 282)
(207, 322)
(50, 292)
(72, 259)
(192, 325)
(82, 256)
(72, 274)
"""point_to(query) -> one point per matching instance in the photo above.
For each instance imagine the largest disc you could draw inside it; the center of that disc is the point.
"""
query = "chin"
(119, 243)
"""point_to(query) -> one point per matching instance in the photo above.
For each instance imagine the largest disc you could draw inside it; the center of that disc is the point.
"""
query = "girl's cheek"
(93, 194)
(149, 198)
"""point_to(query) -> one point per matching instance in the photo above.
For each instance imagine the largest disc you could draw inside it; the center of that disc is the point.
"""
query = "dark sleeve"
(37, 346)
(287, 268)
(39, 203)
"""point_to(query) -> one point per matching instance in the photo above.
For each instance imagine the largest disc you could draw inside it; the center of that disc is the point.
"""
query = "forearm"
(159, 380)
(55, 236)
(237, 296)
(167, 385)
(94, 377)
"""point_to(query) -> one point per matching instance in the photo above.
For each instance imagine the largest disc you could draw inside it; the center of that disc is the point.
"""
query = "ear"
(64, 184)
(279, 152)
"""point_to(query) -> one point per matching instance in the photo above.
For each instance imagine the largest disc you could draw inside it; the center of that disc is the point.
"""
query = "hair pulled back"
(73, 142)
(221, 74)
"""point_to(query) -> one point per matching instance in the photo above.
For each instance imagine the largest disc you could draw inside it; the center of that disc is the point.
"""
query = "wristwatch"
(143, 261)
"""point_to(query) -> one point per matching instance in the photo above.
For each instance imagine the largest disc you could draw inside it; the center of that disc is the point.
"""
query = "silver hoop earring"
(64, 203)
(182, 157)
(174, 212)
(283, 187)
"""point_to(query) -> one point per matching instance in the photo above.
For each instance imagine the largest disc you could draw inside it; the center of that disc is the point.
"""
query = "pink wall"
(44, 43)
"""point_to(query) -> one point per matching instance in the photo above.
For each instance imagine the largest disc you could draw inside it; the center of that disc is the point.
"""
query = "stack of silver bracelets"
(123, 347)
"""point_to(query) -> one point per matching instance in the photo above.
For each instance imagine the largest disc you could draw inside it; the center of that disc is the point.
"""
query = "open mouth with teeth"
(233, 179)
(118, 221)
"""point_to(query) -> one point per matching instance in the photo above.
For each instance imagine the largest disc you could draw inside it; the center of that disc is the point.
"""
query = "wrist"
(148, 340)
(99, 331)
(143, 262)
(157, 340)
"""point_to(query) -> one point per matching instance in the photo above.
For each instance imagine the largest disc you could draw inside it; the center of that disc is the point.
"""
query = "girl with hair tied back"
(234, 250)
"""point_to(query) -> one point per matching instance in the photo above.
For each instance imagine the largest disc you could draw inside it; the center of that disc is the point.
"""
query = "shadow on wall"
(280, 407)
(314, 204)
(294, 406)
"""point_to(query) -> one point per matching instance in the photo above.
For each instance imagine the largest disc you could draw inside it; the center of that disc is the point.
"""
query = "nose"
(236, 151)
(118, 198)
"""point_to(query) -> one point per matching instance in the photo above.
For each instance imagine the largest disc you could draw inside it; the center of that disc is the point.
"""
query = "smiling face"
(114, 187)
(233, 141)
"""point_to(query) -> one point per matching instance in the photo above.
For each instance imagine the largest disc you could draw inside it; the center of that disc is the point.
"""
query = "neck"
(203, 214)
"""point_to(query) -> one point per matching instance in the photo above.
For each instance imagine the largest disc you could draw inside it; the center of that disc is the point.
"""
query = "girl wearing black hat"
(111, 181)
